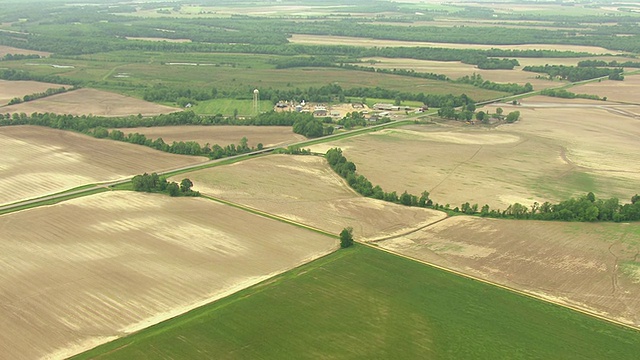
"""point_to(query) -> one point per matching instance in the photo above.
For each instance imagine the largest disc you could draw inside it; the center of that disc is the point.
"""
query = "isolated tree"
(513, 116)
(499, 111)
(185, 185)
(480, 115)
(346, 237)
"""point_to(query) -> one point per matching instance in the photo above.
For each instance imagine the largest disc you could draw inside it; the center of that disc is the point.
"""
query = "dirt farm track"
(102, 266)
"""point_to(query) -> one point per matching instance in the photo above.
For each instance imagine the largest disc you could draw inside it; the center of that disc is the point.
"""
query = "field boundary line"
(447, 216)
(270, 216)
(505, 287)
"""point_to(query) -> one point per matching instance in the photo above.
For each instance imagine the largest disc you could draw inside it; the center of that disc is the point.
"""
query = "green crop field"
(364, 303)
(227, 107)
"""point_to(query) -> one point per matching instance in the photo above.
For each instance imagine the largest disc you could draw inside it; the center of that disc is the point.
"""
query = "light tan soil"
(307, 190)
(38, 161)
(555, 151)
(627, 90)
(4, 50)
(158, 39)
(83, 272)
(222, 135)
(355, 41)
(90, 101)
(13, 89)
(578, 264)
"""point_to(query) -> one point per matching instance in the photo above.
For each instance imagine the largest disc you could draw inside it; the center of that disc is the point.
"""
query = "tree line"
(512, 88)
(562, 93)
(574, 73)
(613, 63)
(585, 209)
(153, 183)
(40, 95)
(10, 57)
(17, 75)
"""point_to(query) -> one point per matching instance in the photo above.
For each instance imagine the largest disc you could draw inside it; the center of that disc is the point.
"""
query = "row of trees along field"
(613, 63)
(474, 79)
(40, 95)
(562, 93)
(303, 123)
(586, 208)
(574, 73)
(154, 183)
(468, 113)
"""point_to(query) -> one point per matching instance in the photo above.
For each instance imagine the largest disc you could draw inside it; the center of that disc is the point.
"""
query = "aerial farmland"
(304, 179)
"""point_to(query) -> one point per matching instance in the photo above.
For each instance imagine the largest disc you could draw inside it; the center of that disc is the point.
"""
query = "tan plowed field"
(4, 50)
(368, 42)
(592, 266)
(38, 161)
(456, 69)
(554, 152)
(305, 189)
(627, 90)
(13, 89)
(221, 135)
(82, 272)
(90, 102)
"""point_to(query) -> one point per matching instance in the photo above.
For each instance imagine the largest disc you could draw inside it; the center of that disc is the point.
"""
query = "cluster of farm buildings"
(340, 110)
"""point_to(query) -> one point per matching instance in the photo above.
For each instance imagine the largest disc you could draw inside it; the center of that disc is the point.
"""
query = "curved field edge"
(352, 304)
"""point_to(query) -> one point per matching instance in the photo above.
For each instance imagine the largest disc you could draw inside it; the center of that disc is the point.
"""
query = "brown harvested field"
(368, 42)
(592, 266)
(38, 161)
(4, 50)
(13, 89)
(222, 135)
(90, 101)
(100, 267)
(627, 90)
(554, 152)
(568, 61)
(305, 189)
(158, 39)
(456, 69)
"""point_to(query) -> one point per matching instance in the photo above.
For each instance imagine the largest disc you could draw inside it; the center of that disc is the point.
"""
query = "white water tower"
(256, 101)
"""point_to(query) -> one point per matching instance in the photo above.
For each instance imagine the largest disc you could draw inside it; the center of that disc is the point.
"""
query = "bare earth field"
(4, 50)
(100, 267)
(456, 69)
(13, 89)
(627, 90)
(90, 101)
(158, 39)
(568, 61)
(38, 161)
(592, 266)
(554, 152)
(221, 135)
(305, 189)
(367, 42)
